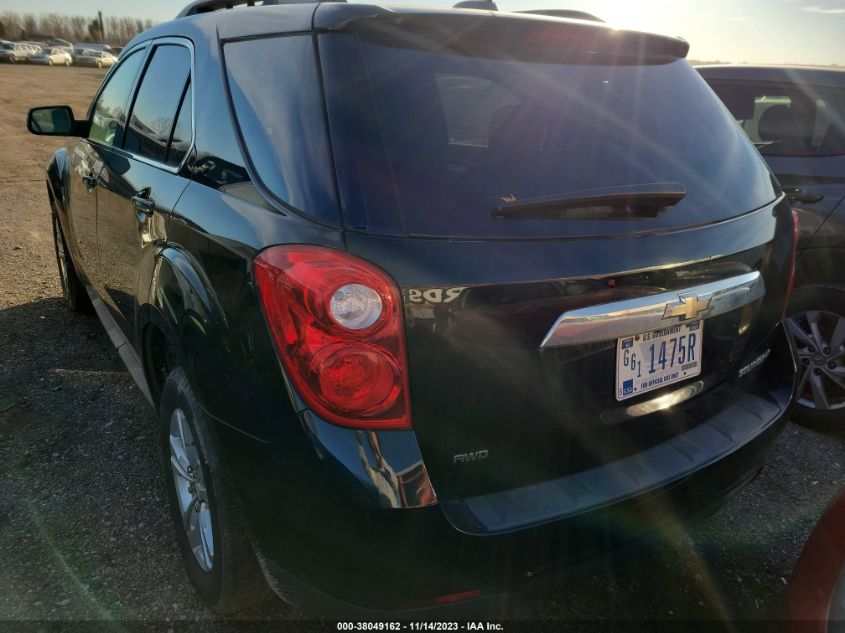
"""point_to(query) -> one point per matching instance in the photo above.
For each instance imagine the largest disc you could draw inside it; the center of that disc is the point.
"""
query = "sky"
(738, 31)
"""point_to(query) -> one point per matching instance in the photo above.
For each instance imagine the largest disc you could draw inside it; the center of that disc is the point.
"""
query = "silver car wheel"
(820, 340)
(191, 491)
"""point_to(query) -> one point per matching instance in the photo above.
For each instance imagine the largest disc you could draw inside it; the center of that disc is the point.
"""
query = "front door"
(108, 116)
(86, 162)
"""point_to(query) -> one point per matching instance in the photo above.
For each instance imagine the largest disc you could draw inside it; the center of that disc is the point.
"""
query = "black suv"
(796, 118)
(429, 302)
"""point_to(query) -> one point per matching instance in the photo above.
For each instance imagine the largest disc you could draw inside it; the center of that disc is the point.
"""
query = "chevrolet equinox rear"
(432, 304)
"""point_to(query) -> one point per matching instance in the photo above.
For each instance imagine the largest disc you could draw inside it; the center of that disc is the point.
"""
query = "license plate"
(658, 358)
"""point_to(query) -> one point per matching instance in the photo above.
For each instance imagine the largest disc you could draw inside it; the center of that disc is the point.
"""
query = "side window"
(109, 114)
(789, 120)
(181, 139)
(275, 91)
(157, 104)
(762, 104)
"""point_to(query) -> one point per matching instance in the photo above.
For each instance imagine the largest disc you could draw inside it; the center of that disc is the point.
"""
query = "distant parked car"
(91, 46)
(51, 57)
(18, 52)
(796, 118)
(34, 47)
(100, 59)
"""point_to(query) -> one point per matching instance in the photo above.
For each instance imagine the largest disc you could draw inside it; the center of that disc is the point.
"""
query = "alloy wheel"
(820, 340)
(191, 491)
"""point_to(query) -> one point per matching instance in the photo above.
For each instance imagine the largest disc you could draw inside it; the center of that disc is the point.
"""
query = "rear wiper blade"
(632, 201)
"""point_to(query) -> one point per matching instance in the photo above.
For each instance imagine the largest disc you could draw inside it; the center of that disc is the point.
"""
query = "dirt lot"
(83, 529)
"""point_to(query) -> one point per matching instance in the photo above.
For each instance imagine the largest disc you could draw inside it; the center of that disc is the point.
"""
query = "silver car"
(18, 52)
(52, 57)
(100, 59)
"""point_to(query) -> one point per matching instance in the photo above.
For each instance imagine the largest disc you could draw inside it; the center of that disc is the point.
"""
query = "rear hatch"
(509, 170)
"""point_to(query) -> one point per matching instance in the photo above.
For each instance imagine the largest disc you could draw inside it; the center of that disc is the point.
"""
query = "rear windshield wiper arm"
(608, 202)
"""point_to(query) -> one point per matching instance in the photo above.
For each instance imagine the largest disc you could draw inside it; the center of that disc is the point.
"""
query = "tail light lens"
(337, 324)
(793, 263)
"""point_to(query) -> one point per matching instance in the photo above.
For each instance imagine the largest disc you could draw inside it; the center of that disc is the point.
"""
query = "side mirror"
(52, 121)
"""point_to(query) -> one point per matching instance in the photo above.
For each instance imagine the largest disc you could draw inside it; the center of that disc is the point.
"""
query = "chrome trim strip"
(611, 321)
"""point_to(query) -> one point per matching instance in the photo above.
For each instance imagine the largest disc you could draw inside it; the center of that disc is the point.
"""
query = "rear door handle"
(798, 195)
(143, 203)
(90, 181)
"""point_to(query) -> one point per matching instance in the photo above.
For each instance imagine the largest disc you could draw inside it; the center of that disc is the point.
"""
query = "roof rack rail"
(484, 5)
(207, 6)
(565, 13)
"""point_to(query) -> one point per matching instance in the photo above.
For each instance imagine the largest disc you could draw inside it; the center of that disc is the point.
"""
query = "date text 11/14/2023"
(658, 358)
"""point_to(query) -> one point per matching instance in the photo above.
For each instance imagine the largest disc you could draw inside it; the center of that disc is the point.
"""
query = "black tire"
(824, 305)
(234, 581)
(72, 289)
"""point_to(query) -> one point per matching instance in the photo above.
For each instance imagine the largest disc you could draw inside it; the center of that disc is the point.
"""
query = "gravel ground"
(83, 530)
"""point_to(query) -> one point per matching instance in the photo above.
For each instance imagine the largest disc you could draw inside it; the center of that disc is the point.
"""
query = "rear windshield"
(788, 119)
(429, 138)
(430, 131)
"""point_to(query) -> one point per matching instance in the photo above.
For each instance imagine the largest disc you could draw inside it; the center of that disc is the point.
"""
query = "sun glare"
(648, 15)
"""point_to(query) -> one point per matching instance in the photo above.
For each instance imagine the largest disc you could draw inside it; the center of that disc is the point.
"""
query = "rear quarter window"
(278, 106)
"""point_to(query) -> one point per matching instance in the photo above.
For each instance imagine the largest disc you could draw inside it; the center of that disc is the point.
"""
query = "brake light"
(337, 324)
(791, 285)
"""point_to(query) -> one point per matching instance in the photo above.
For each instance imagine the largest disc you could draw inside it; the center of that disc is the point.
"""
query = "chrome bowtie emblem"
(687, 307)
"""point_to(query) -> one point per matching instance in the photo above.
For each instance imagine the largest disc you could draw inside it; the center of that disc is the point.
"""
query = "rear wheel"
(72, 289)
(205, 508)
(817, 326)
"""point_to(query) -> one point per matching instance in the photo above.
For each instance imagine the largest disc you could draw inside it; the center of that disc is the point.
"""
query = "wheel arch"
(181, 322)
(56, 183)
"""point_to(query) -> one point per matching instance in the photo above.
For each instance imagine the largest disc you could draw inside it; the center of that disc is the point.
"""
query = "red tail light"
(337, 324)
(791, 285)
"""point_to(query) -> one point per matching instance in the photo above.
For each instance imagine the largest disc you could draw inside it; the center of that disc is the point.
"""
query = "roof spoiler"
(484, 5)
(565, 13)
(539, 38)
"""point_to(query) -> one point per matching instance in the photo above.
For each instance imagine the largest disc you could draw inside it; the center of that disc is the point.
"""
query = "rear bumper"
(659, 467)
(409, 562)
(389, 560)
